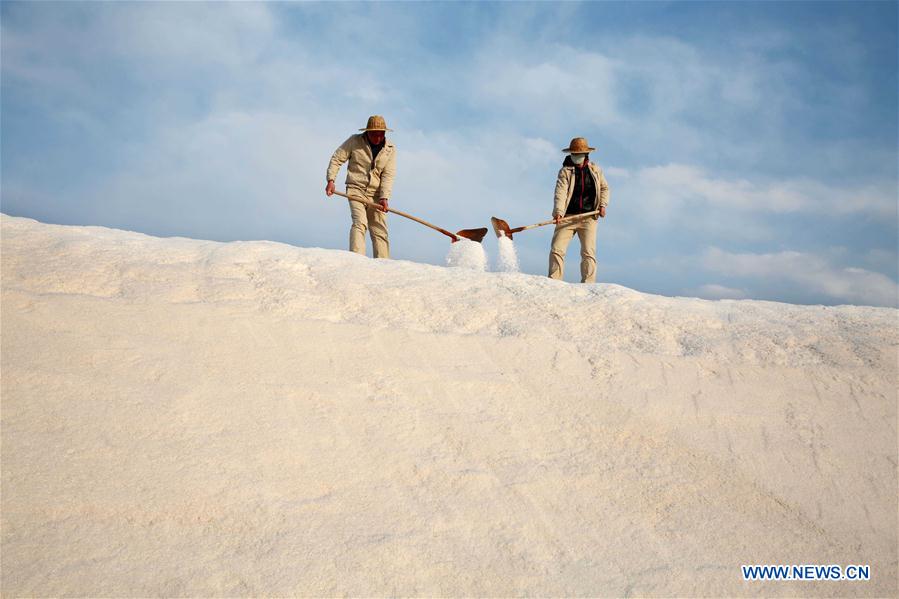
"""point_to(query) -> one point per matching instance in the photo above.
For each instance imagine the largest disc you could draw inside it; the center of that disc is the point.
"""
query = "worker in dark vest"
(580, 188)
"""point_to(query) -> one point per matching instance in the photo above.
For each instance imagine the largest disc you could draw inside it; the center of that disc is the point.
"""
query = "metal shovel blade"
(473, 234)
(501, 227)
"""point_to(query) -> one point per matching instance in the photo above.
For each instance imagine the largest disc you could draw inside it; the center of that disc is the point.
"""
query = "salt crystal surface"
(351, 405)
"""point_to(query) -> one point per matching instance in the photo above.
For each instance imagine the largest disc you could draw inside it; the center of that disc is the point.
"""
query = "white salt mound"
(466, 253)
(250, 419)
(507, 261)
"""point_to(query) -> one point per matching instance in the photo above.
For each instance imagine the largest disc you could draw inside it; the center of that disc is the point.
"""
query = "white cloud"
(673, 186)
(715, 291)
(559, 83)
(660, 94)
(144, 35)
(812, 272)
(617, 172)
(680, 183)
(882, 260)
(662, 99)
(232, 35)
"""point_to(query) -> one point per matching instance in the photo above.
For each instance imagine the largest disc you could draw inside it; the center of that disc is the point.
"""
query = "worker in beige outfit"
(580, 187)
(370, 172)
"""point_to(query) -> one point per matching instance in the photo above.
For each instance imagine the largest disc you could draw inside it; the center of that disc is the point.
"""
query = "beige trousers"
(586, 232)
(365, 217)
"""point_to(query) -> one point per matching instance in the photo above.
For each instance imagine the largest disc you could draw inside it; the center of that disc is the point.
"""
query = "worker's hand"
(557, 218)
(602, 211)
(383, 204)
(329, 188)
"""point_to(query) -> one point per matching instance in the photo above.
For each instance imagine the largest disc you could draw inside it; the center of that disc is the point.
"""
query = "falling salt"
(507, 260)
(467, 254)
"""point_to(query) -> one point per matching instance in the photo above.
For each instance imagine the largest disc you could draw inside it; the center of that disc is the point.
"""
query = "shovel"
(501, 227)
(472, 234)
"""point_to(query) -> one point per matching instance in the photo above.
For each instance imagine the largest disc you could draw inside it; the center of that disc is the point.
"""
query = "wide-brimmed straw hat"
(578, 145)
(376, 123)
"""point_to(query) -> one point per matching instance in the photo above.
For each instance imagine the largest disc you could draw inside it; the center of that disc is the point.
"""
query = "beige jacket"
(565, 188)
(373, 180)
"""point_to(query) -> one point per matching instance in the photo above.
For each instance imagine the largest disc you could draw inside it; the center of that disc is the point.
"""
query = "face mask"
(578, 159)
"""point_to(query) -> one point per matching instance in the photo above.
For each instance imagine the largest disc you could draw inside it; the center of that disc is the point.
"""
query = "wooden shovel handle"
(452, 236)
(550, 222)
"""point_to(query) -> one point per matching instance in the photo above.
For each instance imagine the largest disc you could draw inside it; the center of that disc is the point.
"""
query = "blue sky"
(751, 148)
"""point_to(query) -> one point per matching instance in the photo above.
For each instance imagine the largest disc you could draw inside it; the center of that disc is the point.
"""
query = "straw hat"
(578, 145)
(376, 123)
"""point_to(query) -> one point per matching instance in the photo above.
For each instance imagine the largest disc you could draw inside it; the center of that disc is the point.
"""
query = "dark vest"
(584, 197)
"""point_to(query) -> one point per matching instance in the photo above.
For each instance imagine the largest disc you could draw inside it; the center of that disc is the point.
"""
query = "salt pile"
(507, 260)
(467, 254)
(381, 428)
